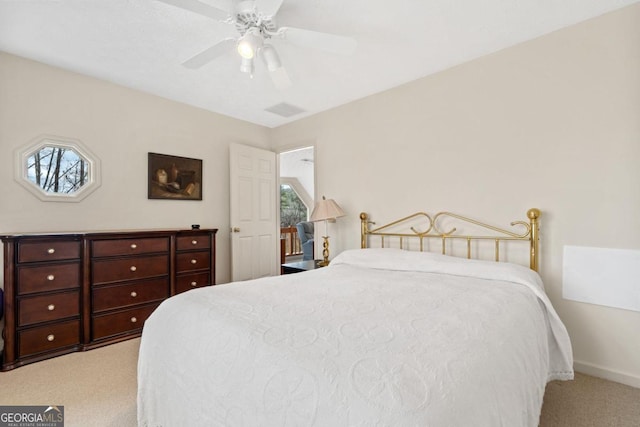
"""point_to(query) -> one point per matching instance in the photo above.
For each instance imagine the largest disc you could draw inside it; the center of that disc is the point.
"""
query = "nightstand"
(297, 267)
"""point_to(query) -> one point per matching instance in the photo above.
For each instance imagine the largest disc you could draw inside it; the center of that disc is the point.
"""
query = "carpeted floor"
(98, 389)
(590, 402)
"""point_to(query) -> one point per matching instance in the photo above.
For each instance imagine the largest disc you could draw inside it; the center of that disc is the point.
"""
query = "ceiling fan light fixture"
(246, 66)
(270, 57)
(249, 44)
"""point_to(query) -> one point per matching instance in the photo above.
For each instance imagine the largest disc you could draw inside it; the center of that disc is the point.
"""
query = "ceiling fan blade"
(199, 8)
(268, 8)
(329, 42)
(210, 54)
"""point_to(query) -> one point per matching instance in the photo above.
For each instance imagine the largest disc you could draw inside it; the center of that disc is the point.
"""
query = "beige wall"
(553, 123)
(120, 126)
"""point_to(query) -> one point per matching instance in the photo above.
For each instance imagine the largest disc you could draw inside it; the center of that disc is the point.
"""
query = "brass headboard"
(530, 234)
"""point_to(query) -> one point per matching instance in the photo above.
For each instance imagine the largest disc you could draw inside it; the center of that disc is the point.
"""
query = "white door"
(255, 235)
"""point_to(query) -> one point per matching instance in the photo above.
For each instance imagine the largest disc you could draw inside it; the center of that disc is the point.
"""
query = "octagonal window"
(57, 169)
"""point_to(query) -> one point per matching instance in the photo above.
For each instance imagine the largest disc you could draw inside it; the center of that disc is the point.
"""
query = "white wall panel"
(609, 277)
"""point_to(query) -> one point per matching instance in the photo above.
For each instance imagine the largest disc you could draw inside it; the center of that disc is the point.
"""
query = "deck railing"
(289, 242)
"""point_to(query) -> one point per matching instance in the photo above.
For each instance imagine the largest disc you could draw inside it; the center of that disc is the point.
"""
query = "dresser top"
(106, 233)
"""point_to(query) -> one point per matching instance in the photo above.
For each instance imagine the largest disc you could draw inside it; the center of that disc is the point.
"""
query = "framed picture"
(174, 177)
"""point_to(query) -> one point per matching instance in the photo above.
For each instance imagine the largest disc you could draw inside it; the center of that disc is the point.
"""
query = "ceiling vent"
(285, 110)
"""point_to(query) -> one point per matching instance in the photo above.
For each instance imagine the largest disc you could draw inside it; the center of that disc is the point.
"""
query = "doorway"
(297, 199)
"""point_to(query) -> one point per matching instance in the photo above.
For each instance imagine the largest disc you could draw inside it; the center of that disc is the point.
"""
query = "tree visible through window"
(57, 169)
(292, 210)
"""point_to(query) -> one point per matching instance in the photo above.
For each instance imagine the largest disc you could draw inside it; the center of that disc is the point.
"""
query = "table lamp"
(324, 211)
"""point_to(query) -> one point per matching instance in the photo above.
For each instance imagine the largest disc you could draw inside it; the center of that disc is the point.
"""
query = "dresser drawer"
(122, 322)
(191, 281)
(48, 307)
(49, 337)
(193, 241)
(110, 297)
(189, 261)
(116, 270)
(53, 250)
(119, 247)
(48, 277)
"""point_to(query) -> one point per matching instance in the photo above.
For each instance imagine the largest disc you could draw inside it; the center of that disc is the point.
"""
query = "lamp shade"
(326, 209)
(249, 43)
(271, 58)
(246, 65)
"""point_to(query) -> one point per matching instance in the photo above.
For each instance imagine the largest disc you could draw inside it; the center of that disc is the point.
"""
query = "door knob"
(236, 229)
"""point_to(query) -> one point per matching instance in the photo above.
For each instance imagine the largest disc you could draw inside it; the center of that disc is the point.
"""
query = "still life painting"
(174, 177)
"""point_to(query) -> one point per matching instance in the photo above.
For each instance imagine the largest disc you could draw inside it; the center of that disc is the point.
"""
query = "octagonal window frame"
(91, 160)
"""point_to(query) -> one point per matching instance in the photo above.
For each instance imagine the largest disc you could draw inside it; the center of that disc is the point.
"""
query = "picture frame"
(174, 177)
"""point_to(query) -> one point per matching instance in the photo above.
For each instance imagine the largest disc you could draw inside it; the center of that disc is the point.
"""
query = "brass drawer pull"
(51, 337)
(51, 277)
(134, 320)
(194, 283)
(51, 250)
(194, 242)
(193, 261)
(134, 294)
(133, 268)
(133, 246)
(51, 307)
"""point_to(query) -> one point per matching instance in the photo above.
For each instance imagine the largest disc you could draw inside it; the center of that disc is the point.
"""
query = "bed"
(383, 336)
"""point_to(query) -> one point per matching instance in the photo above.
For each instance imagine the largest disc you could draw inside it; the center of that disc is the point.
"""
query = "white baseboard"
(606, 373)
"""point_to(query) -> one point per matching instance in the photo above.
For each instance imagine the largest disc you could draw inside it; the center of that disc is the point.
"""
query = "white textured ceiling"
(141, 44)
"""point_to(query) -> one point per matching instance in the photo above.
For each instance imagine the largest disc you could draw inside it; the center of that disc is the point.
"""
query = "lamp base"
(325, 252)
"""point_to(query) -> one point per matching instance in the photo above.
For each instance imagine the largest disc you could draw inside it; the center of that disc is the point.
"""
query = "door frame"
(295, 147)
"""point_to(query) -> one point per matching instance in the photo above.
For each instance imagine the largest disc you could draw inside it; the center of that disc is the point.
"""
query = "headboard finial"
(533, 213)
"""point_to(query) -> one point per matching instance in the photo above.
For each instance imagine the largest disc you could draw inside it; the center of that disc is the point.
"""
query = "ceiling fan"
(255, 22)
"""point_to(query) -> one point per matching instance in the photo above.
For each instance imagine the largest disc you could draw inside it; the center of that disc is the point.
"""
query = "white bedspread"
(381, 337)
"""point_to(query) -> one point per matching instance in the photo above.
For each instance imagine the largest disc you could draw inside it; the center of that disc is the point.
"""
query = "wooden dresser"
(74, 292)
